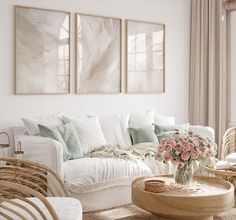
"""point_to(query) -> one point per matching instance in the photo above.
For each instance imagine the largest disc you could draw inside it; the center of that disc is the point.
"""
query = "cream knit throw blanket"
(134, 153)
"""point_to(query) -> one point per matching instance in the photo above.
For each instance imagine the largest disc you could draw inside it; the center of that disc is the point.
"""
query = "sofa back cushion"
(31, 124)
(163, 120)
(139, 120)
(89, 131)
(115, 130)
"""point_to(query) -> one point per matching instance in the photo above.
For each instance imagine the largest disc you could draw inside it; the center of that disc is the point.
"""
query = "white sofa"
(99, 183)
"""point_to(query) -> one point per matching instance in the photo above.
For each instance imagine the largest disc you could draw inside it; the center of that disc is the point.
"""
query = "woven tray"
(155, 186)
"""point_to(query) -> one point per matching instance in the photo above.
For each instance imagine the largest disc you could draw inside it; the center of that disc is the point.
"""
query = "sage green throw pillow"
(168, 131)
(67, 136)
(144, 134)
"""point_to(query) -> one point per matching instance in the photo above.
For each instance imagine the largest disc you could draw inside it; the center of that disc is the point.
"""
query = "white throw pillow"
(89, 130)
(115, 130)
(138, 120)
(164, 120)
(31, 125)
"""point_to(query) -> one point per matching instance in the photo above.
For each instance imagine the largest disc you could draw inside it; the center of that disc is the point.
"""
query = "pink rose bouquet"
(184, 148)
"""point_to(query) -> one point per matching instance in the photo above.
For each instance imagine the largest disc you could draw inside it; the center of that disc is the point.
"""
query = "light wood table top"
(200, 200)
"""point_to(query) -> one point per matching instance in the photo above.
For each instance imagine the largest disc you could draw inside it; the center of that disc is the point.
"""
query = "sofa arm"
(204, 131)
(44, 151)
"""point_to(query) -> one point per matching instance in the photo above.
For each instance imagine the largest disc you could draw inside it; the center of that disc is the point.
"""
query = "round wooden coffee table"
(200, 200)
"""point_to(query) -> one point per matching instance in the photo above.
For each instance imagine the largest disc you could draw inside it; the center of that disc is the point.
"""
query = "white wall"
(174, 13)
(231, 47)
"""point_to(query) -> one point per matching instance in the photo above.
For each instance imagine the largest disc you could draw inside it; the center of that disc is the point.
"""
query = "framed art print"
(42, 51)
(145, 53)
(98, 54)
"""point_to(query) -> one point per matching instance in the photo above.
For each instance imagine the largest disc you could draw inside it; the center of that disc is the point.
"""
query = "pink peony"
(167, 156)
(168, 147)
(161, 148)
(185, 155)
(194, 154)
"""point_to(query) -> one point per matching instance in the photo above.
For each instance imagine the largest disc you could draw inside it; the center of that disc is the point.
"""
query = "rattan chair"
(30, 191)
(229, 142)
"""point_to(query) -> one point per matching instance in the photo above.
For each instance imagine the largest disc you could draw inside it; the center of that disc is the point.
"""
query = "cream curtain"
(208, 78)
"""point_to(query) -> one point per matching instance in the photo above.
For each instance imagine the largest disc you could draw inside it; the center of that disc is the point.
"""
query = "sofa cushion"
(31, 124)
(67, 136)
(166, 131)
(93, 174)
(115, 130)
(164, 120)
(138, 120)
(66, 208)
(89, 131)
(143, 135)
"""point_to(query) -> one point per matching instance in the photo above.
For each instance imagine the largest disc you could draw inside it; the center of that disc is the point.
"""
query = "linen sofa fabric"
(100, 173)
(89, 131)
(144, 134)
(67, 136)
(31, 125)
(115, 130)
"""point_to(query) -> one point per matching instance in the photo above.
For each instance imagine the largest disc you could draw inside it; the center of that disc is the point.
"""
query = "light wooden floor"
(132, 212)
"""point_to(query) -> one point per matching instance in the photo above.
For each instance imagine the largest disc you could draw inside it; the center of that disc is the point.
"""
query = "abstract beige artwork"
(42, 48)
(98, 50)
(145, 57)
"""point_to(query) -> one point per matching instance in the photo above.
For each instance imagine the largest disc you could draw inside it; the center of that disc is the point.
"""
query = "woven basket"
(155, 186)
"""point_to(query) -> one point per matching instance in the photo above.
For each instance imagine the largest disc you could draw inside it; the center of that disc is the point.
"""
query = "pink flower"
(185, 155)
(194, 154)
(184, 147)
(181, 165)
(167, 156)
(173, 144)
(196, 143)
(168, 147)
(177, 147)
(190, 146)
(161, 148)
(174, 161)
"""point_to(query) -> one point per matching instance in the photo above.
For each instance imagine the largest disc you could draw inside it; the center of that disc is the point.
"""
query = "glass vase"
(184, 175)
